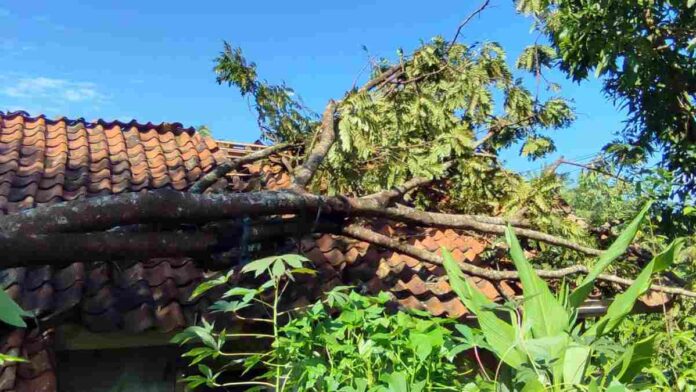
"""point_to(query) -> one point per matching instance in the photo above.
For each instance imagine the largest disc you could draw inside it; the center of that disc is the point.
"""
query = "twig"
(592, 168)
(466, 21)
(455, 221)
(385, 197)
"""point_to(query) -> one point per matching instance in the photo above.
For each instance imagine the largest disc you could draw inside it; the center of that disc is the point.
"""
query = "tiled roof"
(46, 161)
(43, 161)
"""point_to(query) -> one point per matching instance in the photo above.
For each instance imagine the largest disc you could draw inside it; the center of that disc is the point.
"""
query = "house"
(106, 326)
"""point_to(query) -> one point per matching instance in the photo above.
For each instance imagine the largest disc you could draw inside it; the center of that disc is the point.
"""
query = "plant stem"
(275, 332)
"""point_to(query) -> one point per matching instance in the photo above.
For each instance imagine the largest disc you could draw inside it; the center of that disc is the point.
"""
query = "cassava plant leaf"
(633, 360)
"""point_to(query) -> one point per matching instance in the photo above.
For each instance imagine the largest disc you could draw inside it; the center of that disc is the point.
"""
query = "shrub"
(540, 344)
(345, 342)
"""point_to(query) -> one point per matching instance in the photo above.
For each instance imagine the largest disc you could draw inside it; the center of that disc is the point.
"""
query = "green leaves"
(210, 284)
(623, 303)
(10, 312)
(281, 116)
(500, 336)
(578, 296)
(544, 351)
(546, 316)
(643, 52)
(276, 266)
(537, 147)
(633, 360)
(535, 57)
(365, 347)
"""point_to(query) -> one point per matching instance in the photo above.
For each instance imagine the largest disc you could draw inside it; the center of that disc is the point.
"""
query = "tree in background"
(645, 52)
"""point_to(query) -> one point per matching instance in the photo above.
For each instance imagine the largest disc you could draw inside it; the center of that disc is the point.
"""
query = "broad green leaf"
(500, 335)
(239, 291)
(294, 261)
(397, 382)
(533, 386)
(624, 302)
(278, 269)
(305, 271)
(211, 283)
(259, 266)
(542, 311)
(418, 386)
(616, 386)
(633, 360)
(10, 312)
(575, 363)
(578, 296)
(547, 349)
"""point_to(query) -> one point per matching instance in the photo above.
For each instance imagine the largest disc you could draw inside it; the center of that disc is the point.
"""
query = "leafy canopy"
(645, 52)
(447, 102)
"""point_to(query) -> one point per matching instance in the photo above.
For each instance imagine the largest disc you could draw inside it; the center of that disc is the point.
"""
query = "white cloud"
(53, 90)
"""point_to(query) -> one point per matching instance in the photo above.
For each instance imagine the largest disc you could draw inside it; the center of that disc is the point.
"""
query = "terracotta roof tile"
(44, 161)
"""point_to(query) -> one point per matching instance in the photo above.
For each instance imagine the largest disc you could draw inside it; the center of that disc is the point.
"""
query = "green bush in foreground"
(347, 342)
(540, 344)
(353, 343)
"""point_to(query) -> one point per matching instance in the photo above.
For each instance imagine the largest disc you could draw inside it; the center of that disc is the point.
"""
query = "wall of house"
(143, 369)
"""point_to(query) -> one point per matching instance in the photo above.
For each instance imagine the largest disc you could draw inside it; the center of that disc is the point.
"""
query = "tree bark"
(327, 135)
(166, 206)
(363, 234)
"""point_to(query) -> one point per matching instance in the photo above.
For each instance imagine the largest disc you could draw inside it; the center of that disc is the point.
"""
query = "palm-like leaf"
(578, 296)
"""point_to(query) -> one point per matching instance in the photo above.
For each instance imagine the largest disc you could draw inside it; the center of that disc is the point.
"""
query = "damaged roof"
(45, 161)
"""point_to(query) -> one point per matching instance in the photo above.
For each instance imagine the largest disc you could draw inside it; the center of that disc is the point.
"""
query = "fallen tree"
(371, 156)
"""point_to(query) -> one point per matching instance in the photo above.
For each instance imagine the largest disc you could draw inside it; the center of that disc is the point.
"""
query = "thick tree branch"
(385, 197)
(381, 78)
(488, 225)
(24, 234)
(60, 249)
(327, 135)
(164, 206)
(221, 171)
(363, 234)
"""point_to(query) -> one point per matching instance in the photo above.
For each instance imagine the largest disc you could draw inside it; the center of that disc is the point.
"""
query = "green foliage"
(599, 199)
(535, 57)
(10, 312)
(346, 342)
(540, 200)
(281, 117)
(542, 346)
(279, 270)
(673, 364)
(354, 343)
(440, 108)
(645, 51)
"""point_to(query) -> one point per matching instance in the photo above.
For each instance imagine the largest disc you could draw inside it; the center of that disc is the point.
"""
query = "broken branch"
(221, 171)
(327, 135)
(363, 234)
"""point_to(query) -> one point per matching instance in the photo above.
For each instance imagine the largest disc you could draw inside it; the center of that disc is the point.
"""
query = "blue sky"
(152, 60)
